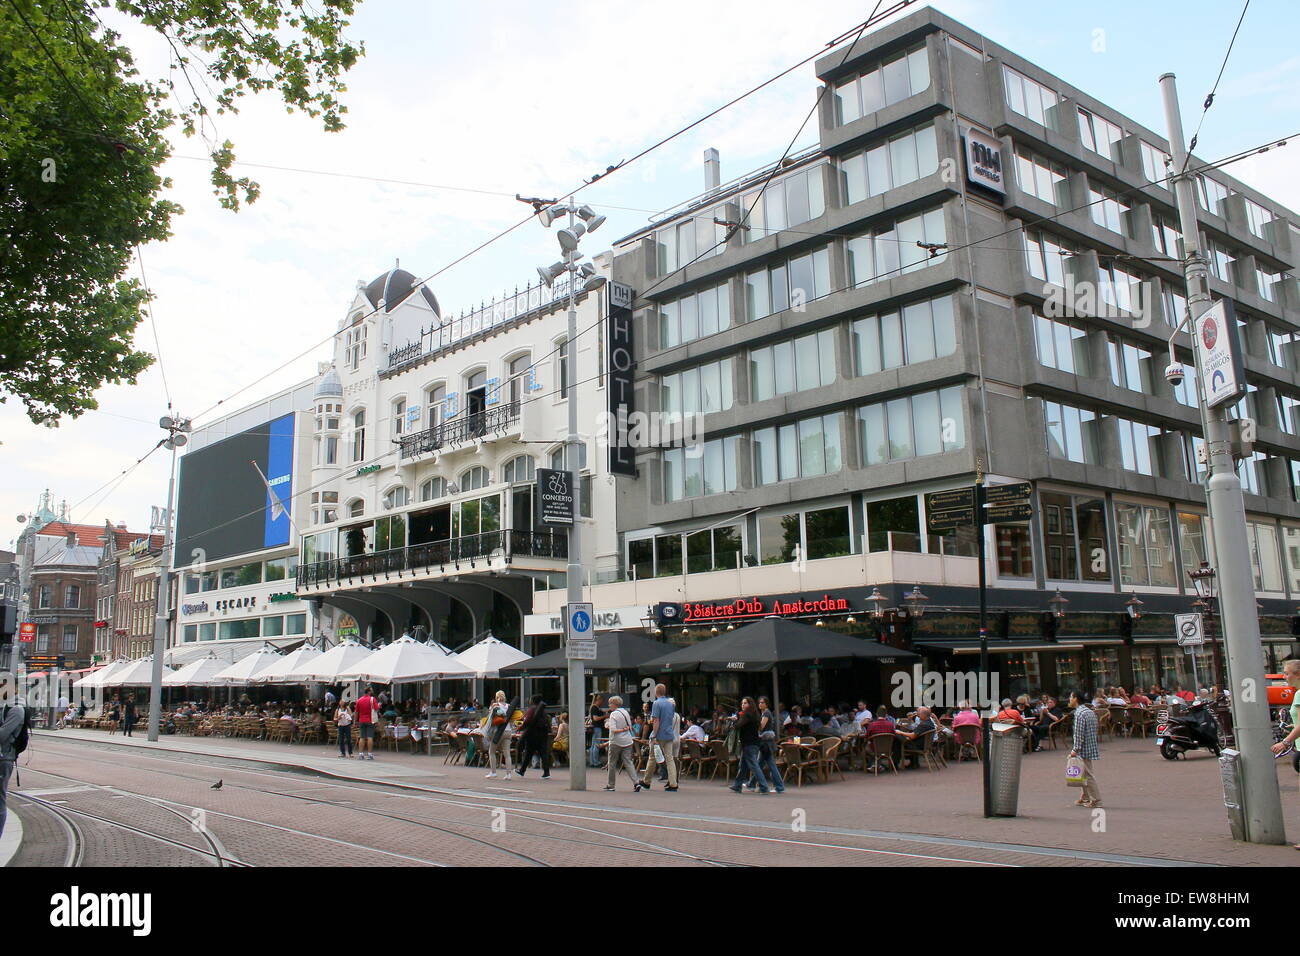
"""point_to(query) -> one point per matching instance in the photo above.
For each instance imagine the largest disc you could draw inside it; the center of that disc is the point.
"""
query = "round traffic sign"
(581, 621)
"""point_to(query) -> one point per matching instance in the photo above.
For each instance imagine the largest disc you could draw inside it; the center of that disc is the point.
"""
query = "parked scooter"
(1192, 729)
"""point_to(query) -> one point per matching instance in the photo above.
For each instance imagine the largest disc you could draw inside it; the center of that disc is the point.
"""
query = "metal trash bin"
(1230, 774)
(1006, 745)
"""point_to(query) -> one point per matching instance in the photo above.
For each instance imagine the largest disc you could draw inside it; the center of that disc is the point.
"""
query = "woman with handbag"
(498, 734)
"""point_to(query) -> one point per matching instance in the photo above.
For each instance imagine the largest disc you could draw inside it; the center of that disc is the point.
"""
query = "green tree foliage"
(82, 136)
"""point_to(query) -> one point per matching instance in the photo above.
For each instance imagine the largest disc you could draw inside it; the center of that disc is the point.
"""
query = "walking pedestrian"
(13, 719)
(660, 748)
(536, 739)
(498, 734)
(1086, 749)
(767, 741)
(128, 720)
(367, 711)
(619, 724)
(343, 721)
(1291, 671)
(596, 717)
(747, 728)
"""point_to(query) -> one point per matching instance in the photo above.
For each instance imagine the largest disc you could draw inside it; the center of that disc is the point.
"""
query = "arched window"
(359, 435)
(476, 477)
(397, 497)
(557, 457)
(517, 469)
(357, 508)
(433, 489)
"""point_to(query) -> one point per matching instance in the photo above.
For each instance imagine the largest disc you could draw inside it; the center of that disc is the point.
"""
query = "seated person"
(1009, 714)
(883, 724)
(924, 724)
(967, 715)
(694, 731)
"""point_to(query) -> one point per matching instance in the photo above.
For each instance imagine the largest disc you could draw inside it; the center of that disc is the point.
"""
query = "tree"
(82, 137)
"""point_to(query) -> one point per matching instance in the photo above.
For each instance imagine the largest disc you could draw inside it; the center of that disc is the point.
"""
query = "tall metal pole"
(573, 571)
(1263, 802)
(160, 620)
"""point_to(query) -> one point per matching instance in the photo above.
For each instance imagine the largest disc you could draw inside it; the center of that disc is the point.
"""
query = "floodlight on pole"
(570, 235)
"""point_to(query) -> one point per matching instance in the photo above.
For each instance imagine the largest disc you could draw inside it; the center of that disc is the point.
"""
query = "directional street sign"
(997, 514)
(1008, 494)
(1189, 630)
(948, 520)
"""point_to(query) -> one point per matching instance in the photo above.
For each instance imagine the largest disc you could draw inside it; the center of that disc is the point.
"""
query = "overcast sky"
(502, 98)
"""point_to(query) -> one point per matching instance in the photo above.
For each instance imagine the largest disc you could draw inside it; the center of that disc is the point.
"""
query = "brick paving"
(1154, 809)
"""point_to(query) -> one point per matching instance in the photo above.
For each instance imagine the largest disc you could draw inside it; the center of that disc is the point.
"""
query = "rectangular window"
(912, 426)
(1099, 134)
(1045, 257)
(1264, 559)
(784, 204)
(1257, 218)
(1108, 210)
(1061, 345)
(1041, 177)
(894, 524)
(241, 575)
(1211, 194)
(69, 639)
(828, 533)
(708, 468)
(774, 370)
(901, 159)
(1071, 433)
(799, 450)
(694, 316)
(1130, 366)
(905, 246)
(897, 78)
(703, 389)
(1146, 552)
(272, 626)
(1029, 98)
(1153, 164)
(778, 287)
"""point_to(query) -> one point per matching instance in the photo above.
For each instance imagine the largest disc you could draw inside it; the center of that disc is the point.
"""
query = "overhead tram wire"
(1209, 100)
(859, 29)
(148, 303)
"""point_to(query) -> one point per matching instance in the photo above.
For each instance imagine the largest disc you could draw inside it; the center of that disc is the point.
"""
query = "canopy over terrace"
(98, 677)
(774, 645)
(489, 656)
(615, 651)
(138, 673)
(199, 673)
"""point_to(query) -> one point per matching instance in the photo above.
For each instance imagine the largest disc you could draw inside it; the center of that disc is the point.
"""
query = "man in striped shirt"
(1086, 749)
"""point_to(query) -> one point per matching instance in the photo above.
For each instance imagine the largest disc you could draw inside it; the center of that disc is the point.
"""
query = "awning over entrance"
(615, 651)
(999, 646)
(229, 651)
(771, 643)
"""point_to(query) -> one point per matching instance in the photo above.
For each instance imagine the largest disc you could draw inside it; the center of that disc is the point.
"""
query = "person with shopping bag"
(1085, 751)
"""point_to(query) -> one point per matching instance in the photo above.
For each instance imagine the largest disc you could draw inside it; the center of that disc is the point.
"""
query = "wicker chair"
(968, 742)
(880, 748)
(828, 761)
(722, 759)
(922, 750)
(798, 761)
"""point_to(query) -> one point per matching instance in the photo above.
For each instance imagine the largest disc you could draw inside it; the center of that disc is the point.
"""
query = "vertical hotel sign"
(622, 457)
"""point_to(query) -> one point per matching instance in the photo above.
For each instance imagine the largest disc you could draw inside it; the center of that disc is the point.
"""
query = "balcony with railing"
(487, 551)
(461, 429)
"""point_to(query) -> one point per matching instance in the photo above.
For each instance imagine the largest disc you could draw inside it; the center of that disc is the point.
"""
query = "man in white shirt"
(618, 725)
(694, 731)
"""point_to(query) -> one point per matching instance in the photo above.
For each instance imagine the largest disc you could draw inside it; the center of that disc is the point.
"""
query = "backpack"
(24, 732)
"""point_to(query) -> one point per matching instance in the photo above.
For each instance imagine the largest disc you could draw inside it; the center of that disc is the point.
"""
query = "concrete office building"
(977, 263)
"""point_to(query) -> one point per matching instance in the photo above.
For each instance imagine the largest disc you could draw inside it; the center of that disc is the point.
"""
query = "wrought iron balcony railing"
(454, 553)
(462, 428)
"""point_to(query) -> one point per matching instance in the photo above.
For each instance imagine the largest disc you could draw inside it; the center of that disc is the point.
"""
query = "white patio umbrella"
(291, 663)
(98, 677)
(330, 667)
(407, 661)
(246, 668)
(199, 673)
(138, 673)
(488, 656)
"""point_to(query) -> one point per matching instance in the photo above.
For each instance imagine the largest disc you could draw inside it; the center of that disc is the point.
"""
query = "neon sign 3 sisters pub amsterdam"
(758, 607)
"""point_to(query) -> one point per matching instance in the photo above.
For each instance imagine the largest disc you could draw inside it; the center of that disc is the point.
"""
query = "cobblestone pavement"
(297, 804)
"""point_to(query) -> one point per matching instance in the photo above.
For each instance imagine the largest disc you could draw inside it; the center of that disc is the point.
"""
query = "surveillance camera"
(1175, 374)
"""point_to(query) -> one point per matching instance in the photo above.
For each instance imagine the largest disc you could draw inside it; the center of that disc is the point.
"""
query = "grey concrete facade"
(996, 361)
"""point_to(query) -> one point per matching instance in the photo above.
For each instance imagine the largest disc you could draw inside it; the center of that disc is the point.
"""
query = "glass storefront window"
(1146, 552)
(1014, 552)
(241, 575)
(1144, 668)
(894, 524)
(828, 533)
(1103, 667)
(641, 558)
(1023, 675)
(1067, 674)
(668, 555)
(778, 536)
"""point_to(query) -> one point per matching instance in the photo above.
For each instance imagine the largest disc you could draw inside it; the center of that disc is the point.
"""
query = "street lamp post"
(1203, 581)
(582, 220)
(177, 436)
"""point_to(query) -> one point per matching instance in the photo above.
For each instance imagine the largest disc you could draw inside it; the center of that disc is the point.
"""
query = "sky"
(477, 102)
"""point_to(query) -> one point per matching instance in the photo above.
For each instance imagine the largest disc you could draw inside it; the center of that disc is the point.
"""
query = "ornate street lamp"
(916, 601)
(1134, 607)
(1203, 581)
(877, 602)
(1058, 603)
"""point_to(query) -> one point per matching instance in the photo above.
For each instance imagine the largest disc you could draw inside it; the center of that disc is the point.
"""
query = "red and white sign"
(27, 632)
(757, 607)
